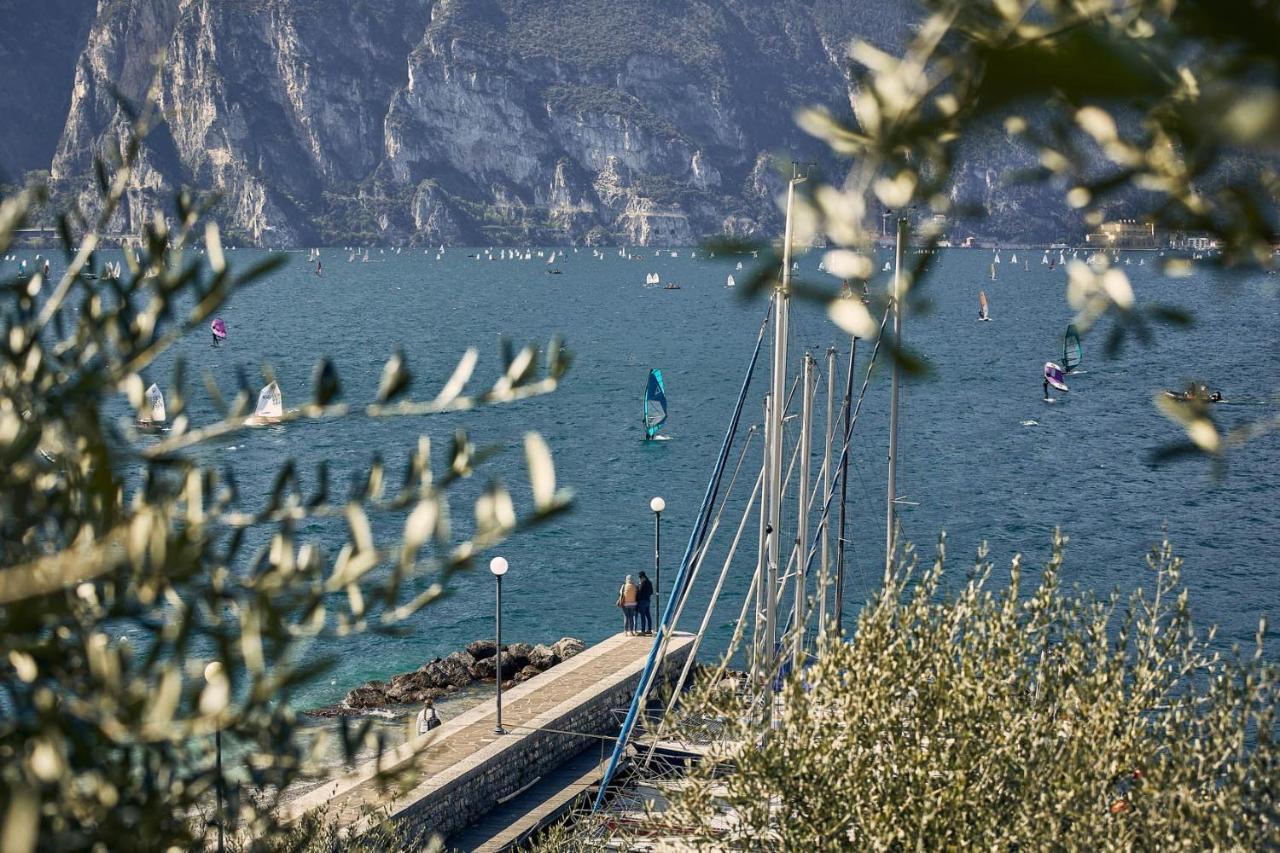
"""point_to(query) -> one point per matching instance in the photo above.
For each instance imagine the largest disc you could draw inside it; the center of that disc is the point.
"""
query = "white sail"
(270, 402)
(153, 409)
(730, 282)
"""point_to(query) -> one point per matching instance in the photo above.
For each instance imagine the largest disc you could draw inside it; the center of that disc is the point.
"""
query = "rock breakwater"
(478, 662)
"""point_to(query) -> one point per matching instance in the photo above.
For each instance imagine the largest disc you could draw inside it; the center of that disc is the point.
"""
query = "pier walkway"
(460, 771)
(514, 822)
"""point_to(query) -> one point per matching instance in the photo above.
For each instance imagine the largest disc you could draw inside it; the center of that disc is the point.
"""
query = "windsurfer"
(1046, 388)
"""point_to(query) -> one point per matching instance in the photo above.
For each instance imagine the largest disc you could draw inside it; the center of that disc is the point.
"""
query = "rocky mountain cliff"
(457, 121)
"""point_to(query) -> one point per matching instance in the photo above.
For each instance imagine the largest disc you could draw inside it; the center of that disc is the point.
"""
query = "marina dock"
(463, 770)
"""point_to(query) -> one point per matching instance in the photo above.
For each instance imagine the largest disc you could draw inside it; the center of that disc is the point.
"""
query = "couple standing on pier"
(634, 600)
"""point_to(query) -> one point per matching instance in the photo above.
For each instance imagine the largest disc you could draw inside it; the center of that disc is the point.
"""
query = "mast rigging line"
(695, 537)
(715, 526)
(844, 452)
(706, 618)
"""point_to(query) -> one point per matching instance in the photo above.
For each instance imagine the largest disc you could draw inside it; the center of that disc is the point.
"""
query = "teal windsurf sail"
(1072, 352)
(655, 404)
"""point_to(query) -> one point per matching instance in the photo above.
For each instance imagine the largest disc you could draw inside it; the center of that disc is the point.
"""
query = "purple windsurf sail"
(1053, 374)
(219, 328)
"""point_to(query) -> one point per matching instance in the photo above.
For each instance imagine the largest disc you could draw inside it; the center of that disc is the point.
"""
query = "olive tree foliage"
(1172, 106)
(107, 742)
(1008, 713)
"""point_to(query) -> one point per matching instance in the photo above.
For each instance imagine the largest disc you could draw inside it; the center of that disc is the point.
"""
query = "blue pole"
(677, 588)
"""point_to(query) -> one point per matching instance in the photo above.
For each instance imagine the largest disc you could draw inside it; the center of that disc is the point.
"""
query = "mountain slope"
(441, 120)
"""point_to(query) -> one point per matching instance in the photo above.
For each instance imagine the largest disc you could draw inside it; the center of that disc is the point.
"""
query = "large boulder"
(542, 657)
(519, 653)
(453, 671)
(482, 649)
(527, 673)
(486, 668)
(567, 647)
(371, 695)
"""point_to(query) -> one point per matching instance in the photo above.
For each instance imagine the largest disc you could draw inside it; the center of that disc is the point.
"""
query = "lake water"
(968, 463)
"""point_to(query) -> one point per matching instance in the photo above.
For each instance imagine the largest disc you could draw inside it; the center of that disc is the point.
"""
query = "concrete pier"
(459, 772)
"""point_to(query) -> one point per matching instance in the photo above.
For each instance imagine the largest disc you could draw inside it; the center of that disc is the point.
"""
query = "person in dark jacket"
(644, 594)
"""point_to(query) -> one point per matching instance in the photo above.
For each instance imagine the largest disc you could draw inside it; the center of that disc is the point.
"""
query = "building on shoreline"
(1125, 234)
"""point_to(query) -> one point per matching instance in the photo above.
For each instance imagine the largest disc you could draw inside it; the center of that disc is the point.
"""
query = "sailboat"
(219, 330)
(993, 272)
(983, 310)
(739, 265)
(1053, 376)
(153, 414)
(1072, 351)
(997, 258)
(729, 282)
(1013, 259)
(270, 406)
(655, 405)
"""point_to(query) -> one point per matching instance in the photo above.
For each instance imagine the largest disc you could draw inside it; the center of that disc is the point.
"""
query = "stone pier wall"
(463, 769)
(538, 749)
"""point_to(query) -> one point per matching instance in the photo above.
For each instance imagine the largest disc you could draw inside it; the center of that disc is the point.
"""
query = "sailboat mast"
(825, 571)
(759, 666)
(802, 513)
(781, 322)
(844, 486)
(891, 512)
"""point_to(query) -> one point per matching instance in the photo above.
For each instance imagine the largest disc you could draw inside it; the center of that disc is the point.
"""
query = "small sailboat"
(1044, 261)
(655, 404)
(219, 330)
(153, 414)
(739, 265)
(1053, 376)
(1013, 259)
(984, 312)
(1072, 351)
(270, 406)
(997, 257)
(993, 272)
(729, 282)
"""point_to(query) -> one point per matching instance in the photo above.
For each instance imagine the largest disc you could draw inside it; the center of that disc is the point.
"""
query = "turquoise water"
(968, 463)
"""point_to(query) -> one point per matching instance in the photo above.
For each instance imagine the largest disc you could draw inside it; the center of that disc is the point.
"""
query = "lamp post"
(212, 672)
(657, 505)
(498, 565)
